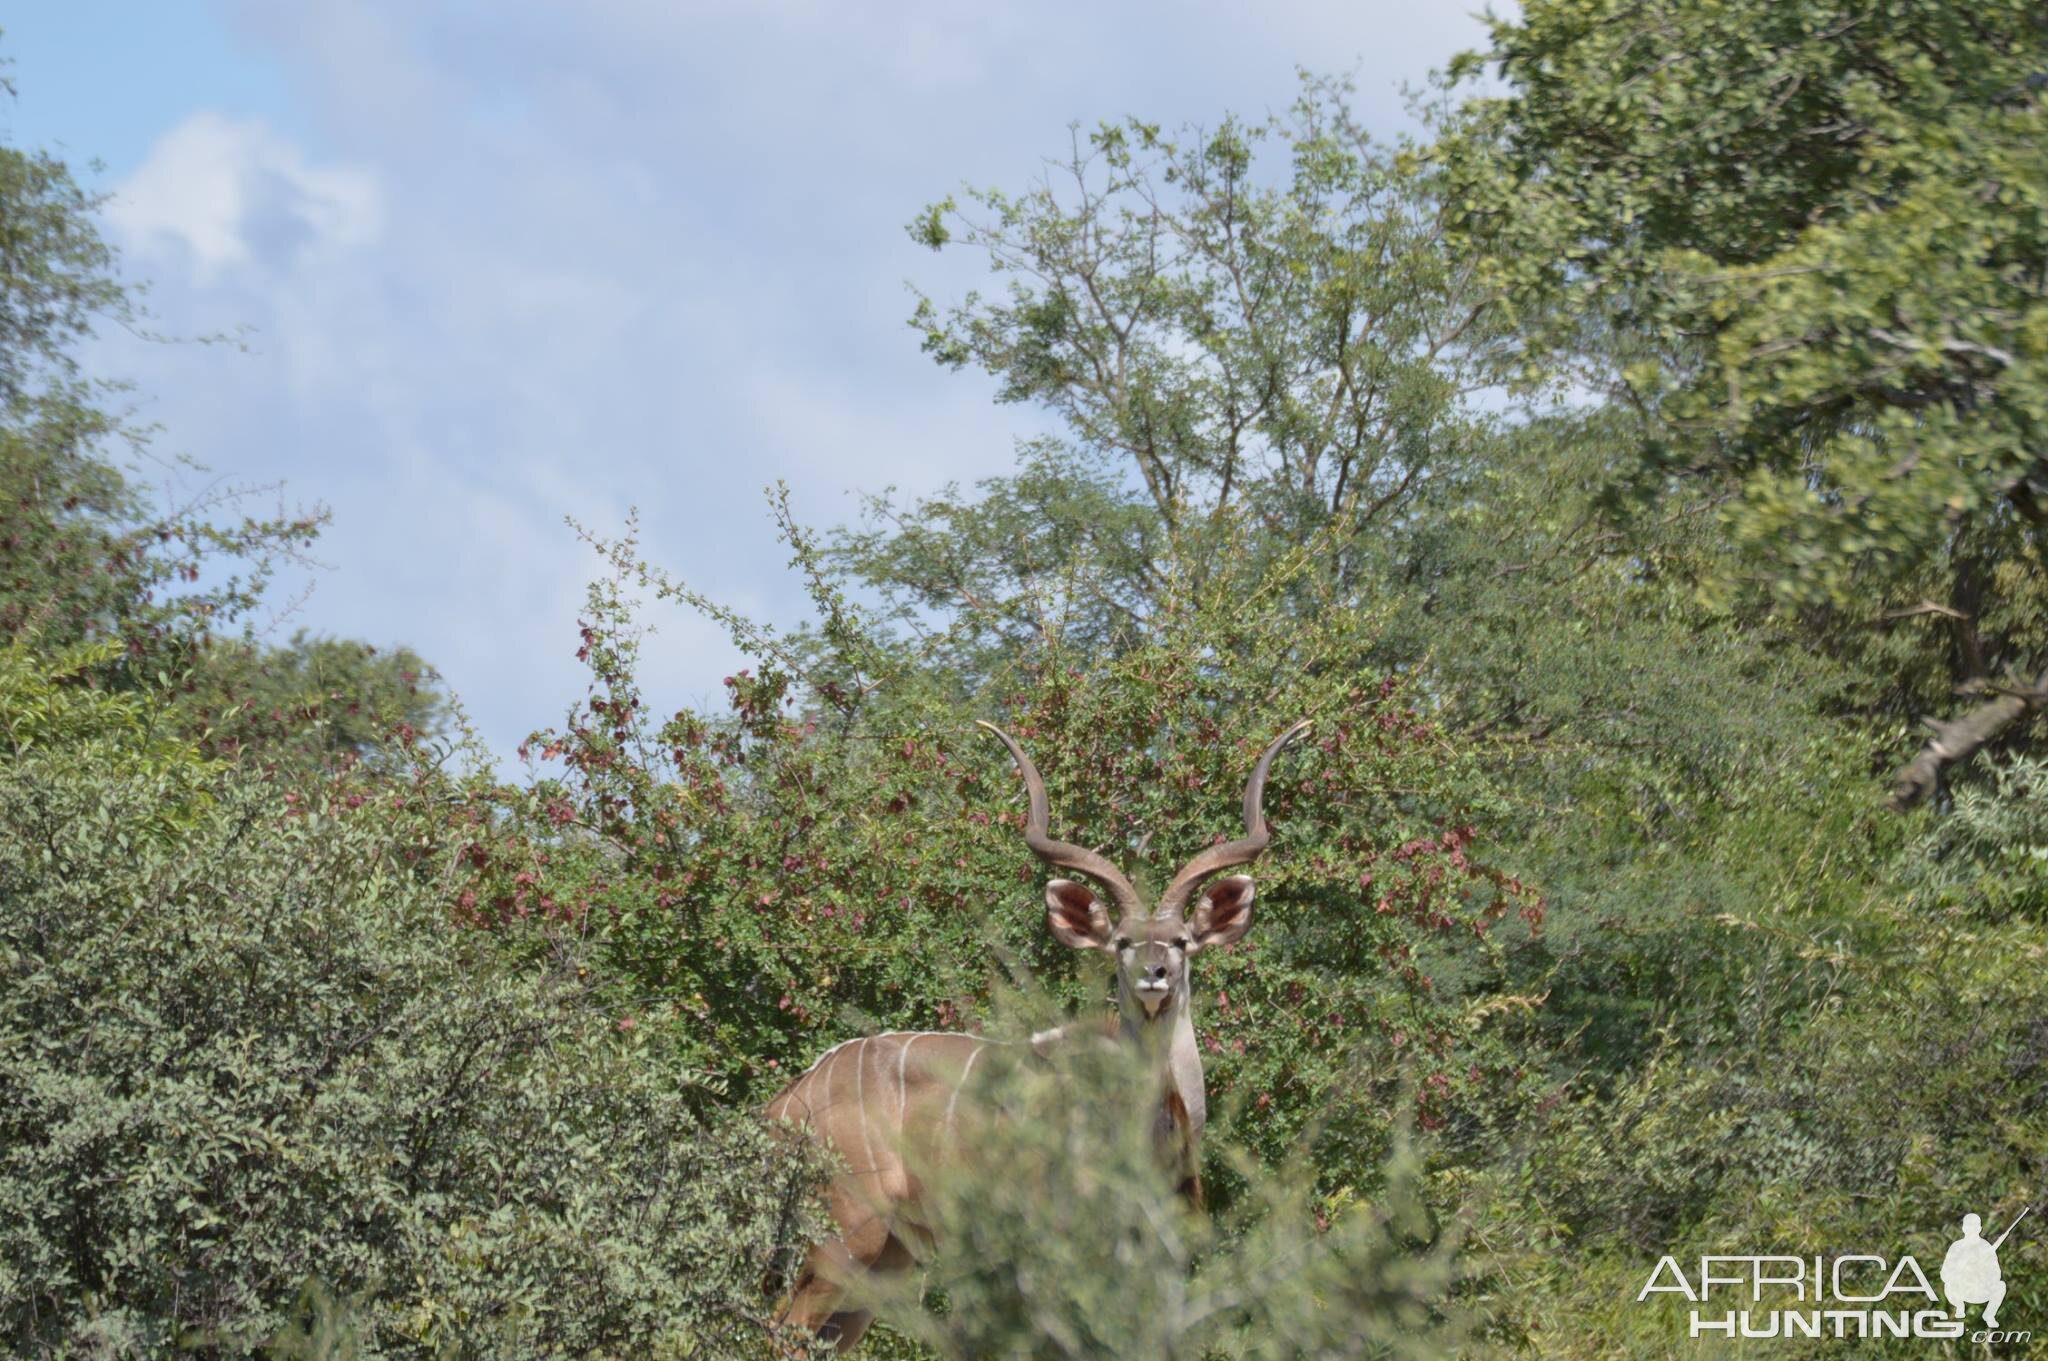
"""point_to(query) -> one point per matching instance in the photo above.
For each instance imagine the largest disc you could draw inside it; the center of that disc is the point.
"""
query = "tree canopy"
(1809, 241)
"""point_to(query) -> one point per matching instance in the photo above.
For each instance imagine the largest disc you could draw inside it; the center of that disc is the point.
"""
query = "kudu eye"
(1123, 942)
(1180, 942)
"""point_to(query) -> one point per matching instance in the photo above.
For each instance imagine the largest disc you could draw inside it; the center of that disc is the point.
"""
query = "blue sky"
(500, 263)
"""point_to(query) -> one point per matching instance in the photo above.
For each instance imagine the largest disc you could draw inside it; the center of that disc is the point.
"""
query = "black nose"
(1155, 971)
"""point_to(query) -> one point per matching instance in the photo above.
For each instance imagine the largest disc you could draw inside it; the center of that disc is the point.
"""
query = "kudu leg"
(828, 1273)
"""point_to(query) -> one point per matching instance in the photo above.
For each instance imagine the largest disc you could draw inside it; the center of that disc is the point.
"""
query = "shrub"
(256, 1090)
(842, 853)
(1988, 859)
(1061, 1238)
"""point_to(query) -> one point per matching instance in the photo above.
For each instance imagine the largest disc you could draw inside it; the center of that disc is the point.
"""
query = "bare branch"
(1958, 739)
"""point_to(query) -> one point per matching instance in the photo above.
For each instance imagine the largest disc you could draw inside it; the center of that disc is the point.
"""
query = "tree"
(1249, 324)
(1810, 240)
(315, 701)
(87, 554)
(1552, 638)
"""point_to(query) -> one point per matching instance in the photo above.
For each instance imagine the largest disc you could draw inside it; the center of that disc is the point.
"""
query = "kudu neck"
(1166, 1038)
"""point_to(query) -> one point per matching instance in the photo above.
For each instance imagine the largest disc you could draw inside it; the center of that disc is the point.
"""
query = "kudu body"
(881, 1099)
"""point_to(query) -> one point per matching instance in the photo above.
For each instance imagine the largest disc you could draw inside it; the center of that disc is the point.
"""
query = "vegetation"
(1614, 908)
(258, 1095)
(1807, 241)
(1066, 1235)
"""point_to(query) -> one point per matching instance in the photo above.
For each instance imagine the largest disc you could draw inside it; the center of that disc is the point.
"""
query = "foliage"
(316, 702)
(1909, 1089)
(310, 1043)
(854, 861)
(1806, 242)
(1988, 859)
(254, 1086)
(55, 271)
(88, 553)
(46, 711)
(1244, 325)
(1674, 766)
(1822, 226)
(80, 554)
(1062, 1239)
(1649, 745)
(1688, 748)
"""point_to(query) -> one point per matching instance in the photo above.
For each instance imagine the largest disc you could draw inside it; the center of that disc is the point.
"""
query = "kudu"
(875, 1099)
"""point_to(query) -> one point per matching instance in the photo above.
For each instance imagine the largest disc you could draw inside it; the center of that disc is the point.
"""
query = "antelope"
(869, 1099)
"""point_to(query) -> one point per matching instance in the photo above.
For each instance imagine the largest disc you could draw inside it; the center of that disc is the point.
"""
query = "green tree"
(1809, 240)
(315, 701)
(1217, 338)
(81, 554)
(1249, 325)
(1682, 768)
(88, 554)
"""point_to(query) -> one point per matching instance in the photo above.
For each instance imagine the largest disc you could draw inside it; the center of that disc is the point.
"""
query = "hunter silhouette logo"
(1969, 1274)
(1853, 1295)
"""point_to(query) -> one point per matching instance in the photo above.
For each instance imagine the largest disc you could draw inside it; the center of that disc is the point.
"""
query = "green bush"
(843, 854)
(1988, 859)
(1061, 1237)
(256, 1090)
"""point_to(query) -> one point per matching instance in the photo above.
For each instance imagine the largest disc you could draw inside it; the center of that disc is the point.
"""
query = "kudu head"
(1151, 945)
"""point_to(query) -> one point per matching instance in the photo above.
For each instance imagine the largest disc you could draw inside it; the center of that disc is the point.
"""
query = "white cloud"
(231, 192)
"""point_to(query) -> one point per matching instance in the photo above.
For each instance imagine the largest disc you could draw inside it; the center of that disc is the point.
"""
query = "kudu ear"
(1076, 918)
(1223, 915)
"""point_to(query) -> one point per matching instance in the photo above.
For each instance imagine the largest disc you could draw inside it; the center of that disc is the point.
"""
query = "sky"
(489, 265)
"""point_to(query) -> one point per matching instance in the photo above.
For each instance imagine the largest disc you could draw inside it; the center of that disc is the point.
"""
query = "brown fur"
(864, 1100)
(867, 1100)
(1174, 1137)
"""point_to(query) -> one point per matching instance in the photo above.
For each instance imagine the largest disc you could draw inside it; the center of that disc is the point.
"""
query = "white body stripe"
(819, 1062)
(825, 1071)
(903, 1079)
(860, 1100)
(831, 1070)
(954, 1100)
